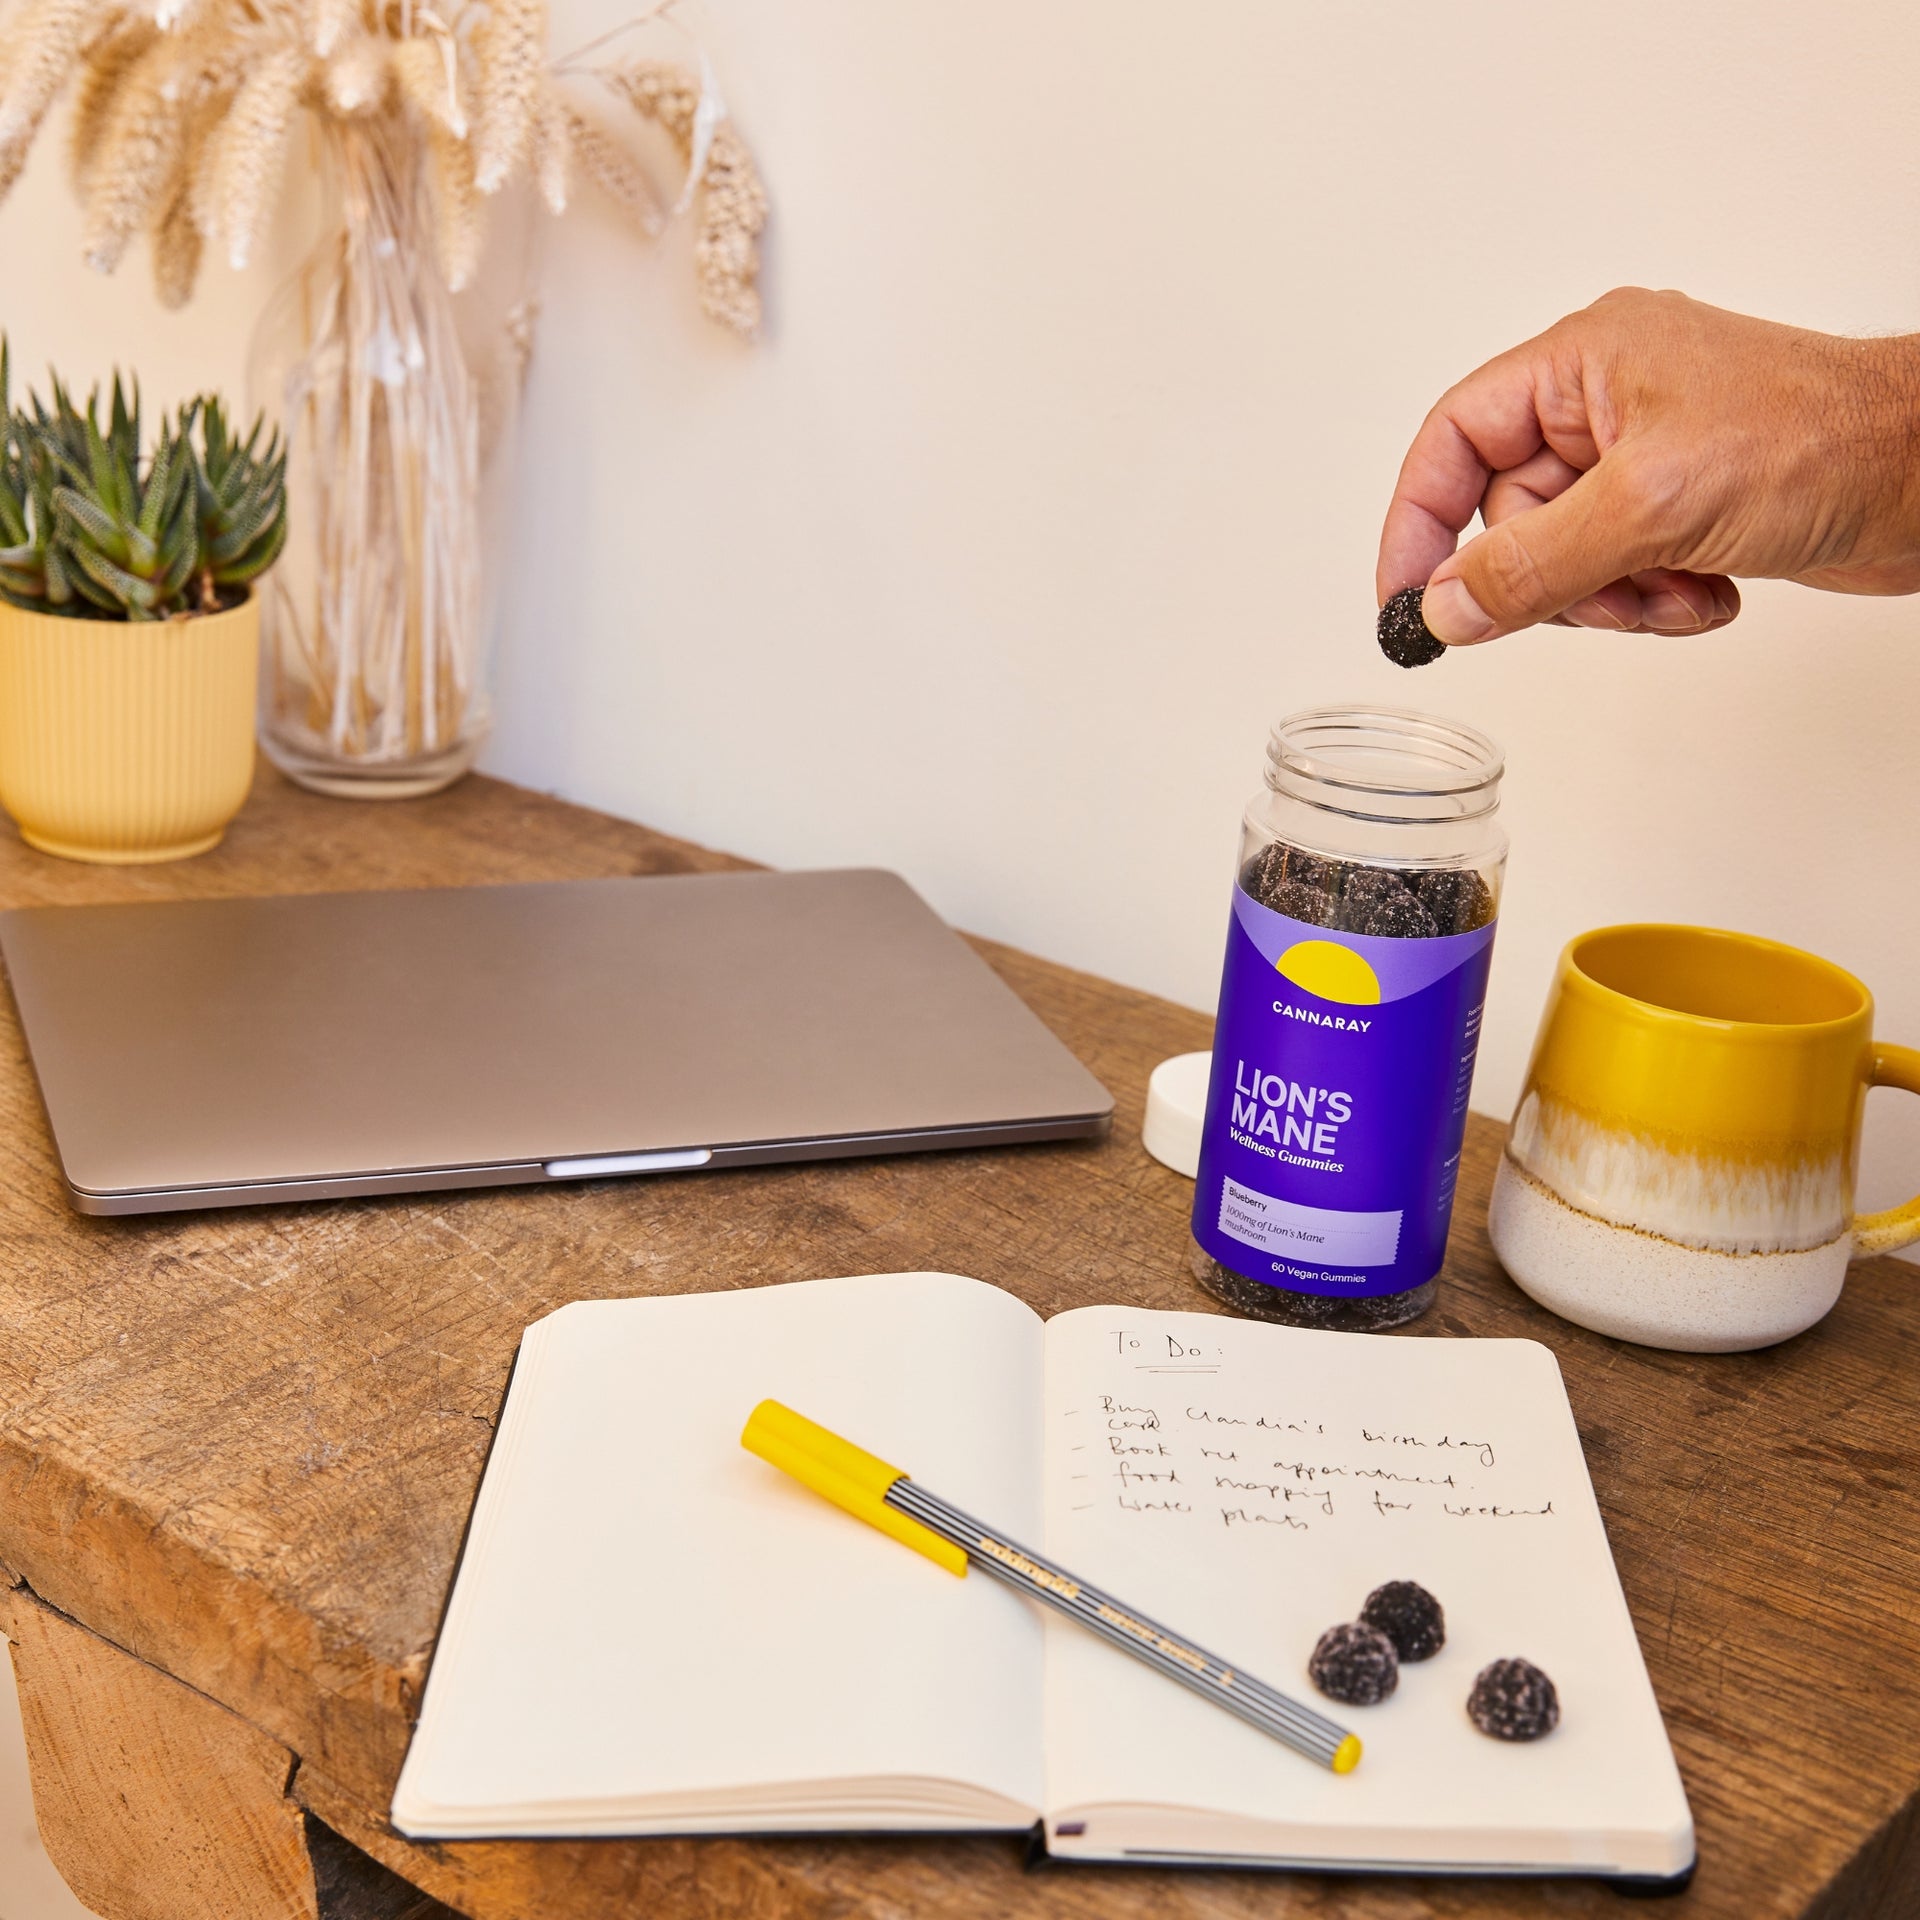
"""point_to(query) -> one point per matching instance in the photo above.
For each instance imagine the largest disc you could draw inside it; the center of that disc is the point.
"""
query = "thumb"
(1538, 563)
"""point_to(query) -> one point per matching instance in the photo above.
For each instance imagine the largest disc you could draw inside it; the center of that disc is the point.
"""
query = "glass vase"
(398, 399)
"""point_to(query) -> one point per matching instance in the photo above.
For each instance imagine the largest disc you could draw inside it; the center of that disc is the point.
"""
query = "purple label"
(1341, 1068)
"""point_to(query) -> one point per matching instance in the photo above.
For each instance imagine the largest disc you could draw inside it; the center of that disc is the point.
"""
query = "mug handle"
(1897, 1226)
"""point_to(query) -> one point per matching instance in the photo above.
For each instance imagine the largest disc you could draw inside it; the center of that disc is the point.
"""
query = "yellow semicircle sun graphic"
(1330, 971)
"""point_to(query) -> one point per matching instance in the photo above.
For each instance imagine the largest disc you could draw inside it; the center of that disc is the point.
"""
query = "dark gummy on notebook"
(1355, 1664)
(1513, 1700)
(1409, 1616)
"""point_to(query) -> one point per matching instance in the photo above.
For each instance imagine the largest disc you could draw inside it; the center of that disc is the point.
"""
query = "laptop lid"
(220, 1052)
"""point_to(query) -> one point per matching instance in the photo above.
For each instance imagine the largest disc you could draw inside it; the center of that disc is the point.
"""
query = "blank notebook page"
(647, 1613)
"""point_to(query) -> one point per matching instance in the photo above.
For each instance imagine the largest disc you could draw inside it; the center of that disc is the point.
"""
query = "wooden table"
(237, 1451)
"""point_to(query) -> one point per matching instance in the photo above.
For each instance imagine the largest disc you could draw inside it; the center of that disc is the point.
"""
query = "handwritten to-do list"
(1255, 1483)
(1168, 1427)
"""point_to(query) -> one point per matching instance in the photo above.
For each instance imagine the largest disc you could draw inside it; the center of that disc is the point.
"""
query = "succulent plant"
(132, 539)
(89, 529)
(31, 571)
(242, 503)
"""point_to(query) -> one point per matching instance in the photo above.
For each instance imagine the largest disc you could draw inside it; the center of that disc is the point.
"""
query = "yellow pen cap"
(839, 1471)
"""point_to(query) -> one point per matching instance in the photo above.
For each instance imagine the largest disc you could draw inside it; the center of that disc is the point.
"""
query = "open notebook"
(654, 1632)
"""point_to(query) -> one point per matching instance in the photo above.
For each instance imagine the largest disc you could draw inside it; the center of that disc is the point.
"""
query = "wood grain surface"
(243, 1445)
(154, 1802)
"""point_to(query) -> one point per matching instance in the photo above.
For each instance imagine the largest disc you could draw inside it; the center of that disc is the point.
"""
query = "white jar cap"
(1176, 1105)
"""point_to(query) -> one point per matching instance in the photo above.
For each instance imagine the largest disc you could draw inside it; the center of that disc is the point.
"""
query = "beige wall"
(1097, 333)
(56, 310)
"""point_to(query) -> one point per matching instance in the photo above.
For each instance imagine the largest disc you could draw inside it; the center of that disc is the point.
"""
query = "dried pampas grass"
(45, 42)
(244, 160)
(135, 154)
(458, 223)
(429, 83)
(727, 254)
(177, 245)
(181, 123)
(332, 21)
(733, 200)
(183, 109)
(97, 95)
(553, 150)
(510, 49)
(612, 168)
(358, 76)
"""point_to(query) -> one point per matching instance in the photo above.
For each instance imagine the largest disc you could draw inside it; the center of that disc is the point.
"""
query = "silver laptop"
(224, 1052)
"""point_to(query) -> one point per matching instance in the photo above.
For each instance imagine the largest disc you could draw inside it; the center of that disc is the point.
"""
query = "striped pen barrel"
(1172, 1653)
(886, 1498)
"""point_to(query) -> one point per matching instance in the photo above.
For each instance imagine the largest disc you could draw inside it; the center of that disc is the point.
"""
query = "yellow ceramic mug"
(1681, 1166)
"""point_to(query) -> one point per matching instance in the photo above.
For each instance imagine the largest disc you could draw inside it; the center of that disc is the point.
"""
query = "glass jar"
(398, 398)
(1356, 969)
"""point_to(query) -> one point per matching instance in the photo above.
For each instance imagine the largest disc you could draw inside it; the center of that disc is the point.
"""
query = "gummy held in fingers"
(1403, 635)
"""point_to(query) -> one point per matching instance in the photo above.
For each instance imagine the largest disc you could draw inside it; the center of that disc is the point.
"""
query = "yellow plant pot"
(126, 742)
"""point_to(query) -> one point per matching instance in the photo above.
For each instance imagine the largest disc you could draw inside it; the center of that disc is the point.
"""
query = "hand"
(1635, 455)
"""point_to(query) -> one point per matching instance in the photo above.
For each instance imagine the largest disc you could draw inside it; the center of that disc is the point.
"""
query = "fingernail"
(1595, 613)
(1667, 613)
(1452, 614)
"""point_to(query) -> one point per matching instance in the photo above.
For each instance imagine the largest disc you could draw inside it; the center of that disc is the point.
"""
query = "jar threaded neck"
(1385, 763)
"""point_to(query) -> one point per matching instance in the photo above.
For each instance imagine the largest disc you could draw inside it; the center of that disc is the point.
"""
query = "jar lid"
(1176, 1105)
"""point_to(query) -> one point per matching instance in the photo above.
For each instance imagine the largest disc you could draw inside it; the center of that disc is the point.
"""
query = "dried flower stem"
(459, 225)
(252, 142)
(138, 151)
(46, 39)
(552, 148)
(381, 661)
(605, 161)
(734, 202)
(333, 21)
(97, 96)
(205, 91)
(510, 49)
(358, 76)
(177, 246)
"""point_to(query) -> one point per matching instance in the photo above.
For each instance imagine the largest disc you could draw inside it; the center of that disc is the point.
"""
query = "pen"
(886, 1498)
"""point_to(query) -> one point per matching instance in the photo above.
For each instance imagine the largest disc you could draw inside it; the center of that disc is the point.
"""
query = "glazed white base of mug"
(1637, 1286)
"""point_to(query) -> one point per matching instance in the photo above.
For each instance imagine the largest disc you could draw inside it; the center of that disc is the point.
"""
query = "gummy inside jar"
(1348, 896)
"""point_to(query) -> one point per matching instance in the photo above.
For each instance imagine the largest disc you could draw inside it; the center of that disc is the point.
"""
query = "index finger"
(1492, 421)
